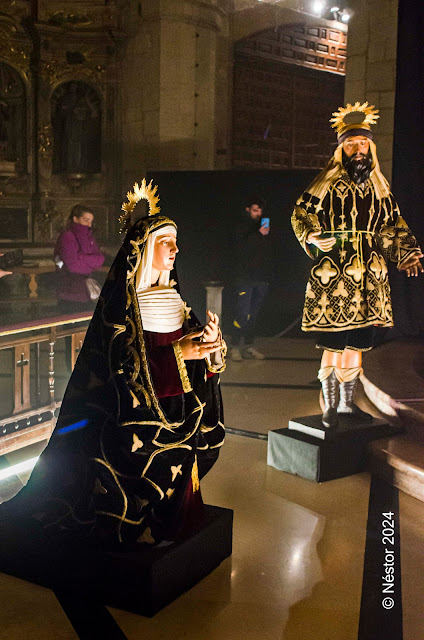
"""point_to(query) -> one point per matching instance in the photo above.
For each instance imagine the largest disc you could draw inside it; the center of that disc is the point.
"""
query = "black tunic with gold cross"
(348, 287)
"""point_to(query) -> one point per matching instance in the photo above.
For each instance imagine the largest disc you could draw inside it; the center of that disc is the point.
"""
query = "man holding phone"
(251, 277)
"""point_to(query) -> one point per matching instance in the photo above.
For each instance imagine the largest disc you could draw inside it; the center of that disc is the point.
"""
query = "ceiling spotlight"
(346, 16)
(335, 12)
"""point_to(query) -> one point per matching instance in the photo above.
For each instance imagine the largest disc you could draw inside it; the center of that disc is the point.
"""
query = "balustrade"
(34, 408)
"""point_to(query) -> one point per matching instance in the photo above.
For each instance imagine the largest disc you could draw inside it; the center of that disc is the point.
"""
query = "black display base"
(142, 580)
(321, 458)
(312, 426)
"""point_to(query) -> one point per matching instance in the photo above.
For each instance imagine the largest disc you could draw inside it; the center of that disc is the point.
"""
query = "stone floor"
(297, 565)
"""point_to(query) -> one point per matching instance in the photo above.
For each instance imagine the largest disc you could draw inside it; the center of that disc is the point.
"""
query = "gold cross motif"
(326, 271)
(356, 269)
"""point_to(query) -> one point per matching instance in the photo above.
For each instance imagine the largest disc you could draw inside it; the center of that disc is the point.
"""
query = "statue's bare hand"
(191, 349)
(413, 266)
(324, 243)
(211, 332)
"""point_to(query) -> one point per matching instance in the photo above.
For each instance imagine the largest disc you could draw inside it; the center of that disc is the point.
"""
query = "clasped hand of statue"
(324, 243)
(413, 266)
(192, 349)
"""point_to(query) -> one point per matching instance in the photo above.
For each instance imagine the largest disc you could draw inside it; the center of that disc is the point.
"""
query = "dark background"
(408, 161)
(206, 206)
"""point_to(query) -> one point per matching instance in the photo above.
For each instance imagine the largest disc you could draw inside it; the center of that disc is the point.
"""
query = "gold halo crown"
(142, 192)
(363, 117)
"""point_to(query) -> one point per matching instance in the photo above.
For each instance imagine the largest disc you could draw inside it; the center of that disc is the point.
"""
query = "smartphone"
(265, 223)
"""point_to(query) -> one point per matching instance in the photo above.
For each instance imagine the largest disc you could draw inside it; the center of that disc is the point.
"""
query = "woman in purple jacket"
(77, 256)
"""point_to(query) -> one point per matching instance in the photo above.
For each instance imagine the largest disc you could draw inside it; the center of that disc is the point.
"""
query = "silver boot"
(330, 389)
(346, 404)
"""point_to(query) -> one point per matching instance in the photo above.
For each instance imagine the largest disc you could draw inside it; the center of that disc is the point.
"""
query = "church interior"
(213, 100)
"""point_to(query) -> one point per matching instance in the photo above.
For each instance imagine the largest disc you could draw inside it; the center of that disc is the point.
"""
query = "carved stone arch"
(76, 117)
(13, 120)
(56, 72)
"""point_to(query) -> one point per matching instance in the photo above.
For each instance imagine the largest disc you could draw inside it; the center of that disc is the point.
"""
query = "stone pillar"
(371, 67)
(140, 90)
(174, 66)
(214, 297)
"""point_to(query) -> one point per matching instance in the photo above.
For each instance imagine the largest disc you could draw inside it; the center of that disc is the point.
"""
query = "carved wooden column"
(52, 342)
(37, 374)
(76, 345)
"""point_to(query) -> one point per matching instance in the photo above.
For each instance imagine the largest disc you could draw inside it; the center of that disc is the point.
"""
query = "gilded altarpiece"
(67, 56)
(78, 106)
(16, 128)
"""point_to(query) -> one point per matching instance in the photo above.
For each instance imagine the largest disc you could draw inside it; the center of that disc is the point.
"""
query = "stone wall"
(140, 89)
(176, 86)
(371, 67)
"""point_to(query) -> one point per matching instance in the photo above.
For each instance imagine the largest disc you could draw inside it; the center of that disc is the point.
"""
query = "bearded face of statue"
(357, 159)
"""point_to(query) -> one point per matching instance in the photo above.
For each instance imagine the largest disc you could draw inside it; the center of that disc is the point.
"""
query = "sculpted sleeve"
(304, 220)
(397, 241)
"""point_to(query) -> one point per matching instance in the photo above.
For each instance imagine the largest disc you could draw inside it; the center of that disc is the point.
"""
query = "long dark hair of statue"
(76, 120)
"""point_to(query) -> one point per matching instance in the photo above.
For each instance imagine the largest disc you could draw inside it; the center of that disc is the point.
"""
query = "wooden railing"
(32, 418)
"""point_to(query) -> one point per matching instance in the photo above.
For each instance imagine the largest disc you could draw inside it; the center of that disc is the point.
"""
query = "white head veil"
(144, 272)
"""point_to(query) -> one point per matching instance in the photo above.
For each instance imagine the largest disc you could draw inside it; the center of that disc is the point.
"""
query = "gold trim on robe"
(348, 286)
(182, 369)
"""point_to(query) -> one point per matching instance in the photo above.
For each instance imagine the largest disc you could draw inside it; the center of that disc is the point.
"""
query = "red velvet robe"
(162, 363)
(163, 366)
(167, 382)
